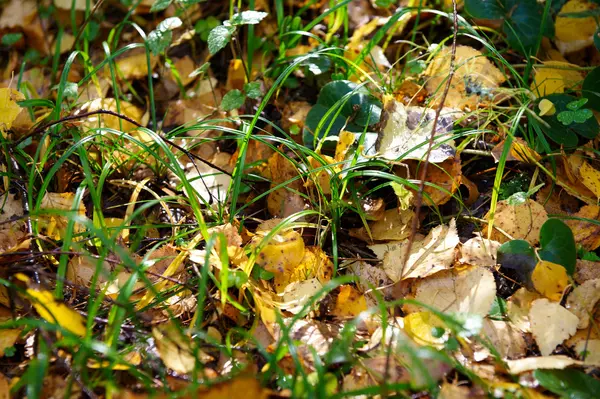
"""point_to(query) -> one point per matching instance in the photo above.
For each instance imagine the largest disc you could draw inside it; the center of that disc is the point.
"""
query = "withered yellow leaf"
(176, 349)
(314, 264)
(419, 326)
(350, 302)
(56, 225)
(112, 122)
(135, 65)
(549, 80)
(53, 311)
(573, 34)
(8, 338)
(284, 251)
(395, 225)
(586, 234)
(546, 107)
(9, 109)
(550, 280)
(522, 222)
(475, 72)
(582, 300)
(590, 178)
(551, 324)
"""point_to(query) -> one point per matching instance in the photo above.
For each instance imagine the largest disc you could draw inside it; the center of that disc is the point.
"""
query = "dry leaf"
(518, 306)
(551, 324)
(550, 280)
(434, 253)
(519, 151)
(573, 34)
(350, 302)
(548, 80)
(8, 337)
(586, 270)
(371, 277)
(586, 234)
(395, 225)
(79, 5)
(507, 340)
(110, 121)
(81, 270)
(582, 300)
(284, 251)
(56, 225)
(590, 178)
(588, 350)
(176, 349)
(297, 294)
(134, 65)
(540, 362)
(445, 176)
(419, 326)
(523, 221)
(407, 132)
(479, 251)
(467, 291)
(474, 82)
(314, 264)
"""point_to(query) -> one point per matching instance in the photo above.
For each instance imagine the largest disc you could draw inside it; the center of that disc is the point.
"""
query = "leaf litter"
(176, 221)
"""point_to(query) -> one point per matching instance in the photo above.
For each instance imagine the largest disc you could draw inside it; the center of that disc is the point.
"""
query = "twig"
(423, 174)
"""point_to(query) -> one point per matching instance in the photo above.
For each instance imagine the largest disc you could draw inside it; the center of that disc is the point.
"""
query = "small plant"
(574, 113)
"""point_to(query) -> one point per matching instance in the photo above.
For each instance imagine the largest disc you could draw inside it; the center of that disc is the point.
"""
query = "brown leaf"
(523, 221)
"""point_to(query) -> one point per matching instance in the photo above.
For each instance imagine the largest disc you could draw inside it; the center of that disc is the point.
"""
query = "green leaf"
(485, 9)
(568, 383)
(11, 38)
(567, 134)
(566, 117)
(219, 37)
(253, 90)
(232, 100)
(204, 26)
(248, 18)
(70, 90)
(519, 257)
(558, 244)
(582, 115)
(591, 87)
(160, 38)
(200, 70)
(582, 14)
(160, 5)
(575, 105)
(523, 24)
(597, 39)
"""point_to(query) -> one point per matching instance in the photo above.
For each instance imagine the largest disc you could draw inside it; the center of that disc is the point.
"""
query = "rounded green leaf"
(558, 244)
(485, 9)
(568, 383)
(518, 257)
(591, 88)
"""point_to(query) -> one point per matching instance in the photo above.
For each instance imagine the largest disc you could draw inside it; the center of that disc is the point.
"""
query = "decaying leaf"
(590, 177)
(407, 133)
(558, 362)
(471, 290)
(134, 65)
(505, 338)
(430, 255)
(445, 178)
(420, 325)
(587, 234)
(395, 225)
(111, 121)
(586, 270)
(8, 337)
(479, 251)
(176, 349)
(551, 324)
(475, 79)
(582, 300)
(573, 34)
(519, 151)
(523, 221)
(284, 251)
(518, 306)
(314, 264)
(550, 280)
(350, 302)
(56, 225)
(588, 350)
(297, 294)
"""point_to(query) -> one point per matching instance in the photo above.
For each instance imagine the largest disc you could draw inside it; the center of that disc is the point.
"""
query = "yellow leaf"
(53, 311)
(314, 264)
(345, 140)
(550, 280)
(587, 234)
(573, 34)
(135, 66)
(350, 302)
(546, 107)
(9, 109)
(419, 326)
(283, 252)
(56, 225)
(523, 221)
(176, 349)
(112, 122)
(475, 72)
(8, 338)
(549, 80)
(551, 324)
(590, 178)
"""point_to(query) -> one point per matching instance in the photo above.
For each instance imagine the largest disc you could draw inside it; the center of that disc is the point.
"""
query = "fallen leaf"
(548, 80)
(345, 140)
(4, 387)
(546, 107)
(586, 234)
(395, 225)
(550, 280)
(371, 277)
(79, 5)
(507, 340)
(523, 221)
(297, 294)
(9, 109)
(314, 264)
(475, 79)
(284, 251)
(55, 225)
(586, 270)
(445, 178)
(420, 325)
(588, 350)
(350, 302)
(518, 307)
(573, 34)
(210, 184)
(111, 121)
(82, 268)
(134, 65)
(540, 362)
(590, 177)
(479, 251)
(582, 300)
(467, 291)
(7, 339)
(176, 349)
(407, 132)
(428, 256)
(53, 311)
(551, 324)
(519, 151)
